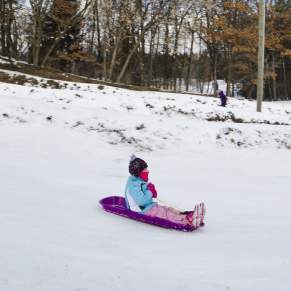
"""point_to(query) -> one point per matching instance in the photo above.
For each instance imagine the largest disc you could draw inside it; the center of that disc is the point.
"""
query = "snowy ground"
(63, 150)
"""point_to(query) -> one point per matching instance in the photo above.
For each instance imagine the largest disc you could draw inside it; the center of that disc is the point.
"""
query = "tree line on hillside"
(168, 44)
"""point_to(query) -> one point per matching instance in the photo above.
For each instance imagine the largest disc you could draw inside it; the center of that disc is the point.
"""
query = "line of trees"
(169, 44)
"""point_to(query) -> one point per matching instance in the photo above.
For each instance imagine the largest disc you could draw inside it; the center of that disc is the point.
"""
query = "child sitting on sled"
(139, 194)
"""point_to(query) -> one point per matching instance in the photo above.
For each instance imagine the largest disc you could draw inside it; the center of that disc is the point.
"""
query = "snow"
(3, 61)
(55, 236)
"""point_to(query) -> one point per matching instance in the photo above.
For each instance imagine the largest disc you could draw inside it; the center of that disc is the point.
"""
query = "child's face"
(144, 174)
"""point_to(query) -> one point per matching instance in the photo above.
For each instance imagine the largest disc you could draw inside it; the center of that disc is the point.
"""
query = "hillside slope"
(148, 120)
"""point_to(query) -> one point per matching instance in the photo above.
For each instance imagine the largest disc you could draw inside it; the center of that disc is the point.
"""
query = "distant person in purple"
(223, 98)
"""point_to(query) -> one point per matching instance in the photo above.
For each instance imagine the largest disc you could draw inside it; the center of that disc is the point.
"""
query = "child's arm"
(141, 196)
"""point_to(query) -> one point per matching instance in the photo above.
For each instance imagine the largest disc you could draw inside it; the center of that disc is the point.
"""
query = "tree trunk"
(125, 65)
(104, 64)
(213, 59)
(99, 46)
(114, 56)
(51, 49)
(142, 48)
(229, 73)
(37, 44)
(2, 23)
(151, 52)
(285, 79)
(190, 62)
(274, 77)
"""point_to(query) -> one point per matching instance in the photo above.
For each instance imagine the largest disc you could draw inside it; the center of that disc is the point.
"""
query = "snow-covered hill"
(148, 120)
(61, 150)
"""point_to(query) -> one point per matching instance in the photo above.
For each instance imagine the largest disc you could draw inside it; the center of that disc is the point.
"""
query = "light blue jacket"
(137, 197)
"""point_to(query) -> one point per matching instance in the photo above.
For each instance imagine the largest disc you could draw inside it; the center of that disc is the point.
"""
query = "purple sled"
(117, 205)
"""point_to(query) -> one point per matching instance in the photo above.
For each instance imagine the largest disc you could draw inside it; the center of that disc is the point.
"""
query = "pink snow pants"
(168, 213)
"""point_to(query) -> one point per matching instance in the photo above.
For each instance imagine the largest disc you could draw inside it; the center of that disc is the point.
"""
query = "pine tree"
(65, 52)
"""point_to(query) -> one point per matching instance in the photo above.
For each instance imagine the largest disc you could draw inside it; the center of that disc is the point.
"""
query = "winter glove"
(152, 188)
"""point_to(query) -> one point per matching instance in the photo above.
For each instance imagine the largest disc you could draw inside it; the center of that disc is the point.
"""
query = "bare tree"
(159, 13)
(39, 11)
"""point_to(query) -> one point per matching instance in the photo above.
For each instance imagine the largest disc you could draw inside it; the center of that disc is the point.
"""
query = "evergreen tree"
(65, 53)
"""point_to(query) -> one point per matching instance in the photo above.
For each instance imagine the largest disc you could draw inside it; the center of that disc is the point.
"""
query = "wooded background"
(174, 45)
